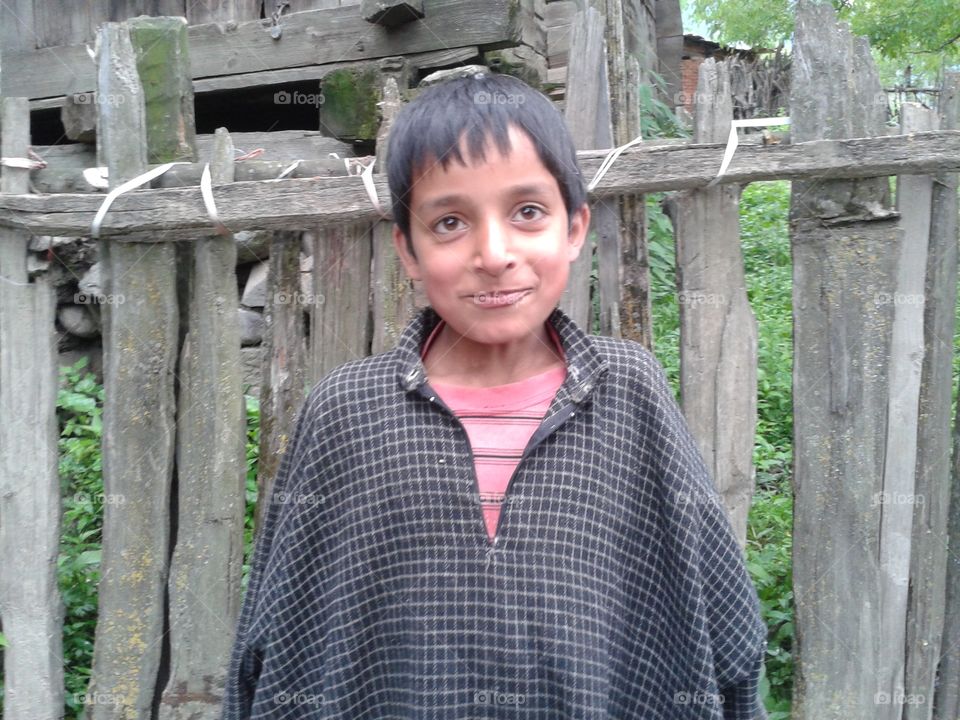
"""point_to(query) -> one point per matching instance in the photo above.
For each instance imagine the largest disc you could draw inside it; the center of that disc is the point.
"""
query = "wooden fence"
(874, 296)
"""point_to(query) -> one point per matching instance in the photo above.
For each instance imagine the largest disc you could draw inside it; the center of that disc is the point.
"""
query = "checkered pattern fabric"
(614, 587)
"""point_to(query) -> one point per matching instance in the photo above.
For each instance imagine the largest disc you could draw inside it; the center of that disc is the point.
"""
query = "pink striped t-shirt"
(499, 421)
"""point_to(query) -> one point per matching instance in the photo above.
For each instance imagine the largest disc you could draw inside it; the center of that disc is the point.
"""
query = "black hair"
(481, 105)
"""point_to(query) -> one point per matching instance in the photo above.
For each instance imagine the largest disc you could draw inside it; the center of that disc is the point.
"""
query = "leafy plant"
(79, 413)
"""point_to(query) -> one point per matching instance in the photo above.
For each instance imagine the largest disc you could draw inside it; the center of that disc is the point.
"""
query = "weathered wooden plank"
(207, 563)
(30, 603)
(718, 330)
(914, 197)
(841, 385)
(937, 526)
(164, 69)
(312, 37)
(305, 202)
(340, 318)
(16, 30)
(444, 57)
(141, 320)
(391, 291)
(284, 363)
(587, 115)
(626, 65)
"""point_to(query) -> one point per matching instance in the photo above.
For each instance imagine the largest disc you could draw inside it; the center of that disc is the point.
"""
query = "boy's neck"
(457, 360)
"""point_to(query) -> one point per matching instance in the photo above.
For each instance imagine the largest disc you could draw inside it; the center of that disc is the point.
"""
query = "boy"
(503, 516)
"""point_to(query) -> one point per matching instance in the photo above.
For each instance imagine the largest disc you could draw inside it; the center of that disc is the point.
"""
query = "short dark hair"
(481, 105)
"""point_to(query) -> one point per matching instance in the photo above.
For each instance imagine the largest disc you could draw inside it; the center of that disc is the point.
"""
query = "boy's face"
(488, 229)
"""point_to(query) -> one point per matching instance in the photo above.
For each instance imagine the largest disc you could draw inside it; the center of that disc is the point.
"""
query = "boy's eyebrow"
(541, 189)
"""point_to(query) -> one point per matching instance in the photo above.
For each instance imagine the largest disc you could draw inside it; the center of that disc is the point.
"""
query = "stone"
(78, 320)
(390, 13)
(251, 373)
(252, 326)
(449, 74)
(79, 117)
(255, 291)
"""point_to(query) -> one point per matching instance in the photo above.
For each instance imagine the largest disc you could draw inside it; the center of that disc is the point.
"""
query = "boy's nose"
(494, 249)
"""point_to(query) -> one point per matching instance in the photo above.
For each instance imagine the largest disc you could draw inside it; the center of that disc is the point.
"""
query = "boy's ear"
(579, 226)
(403, 252)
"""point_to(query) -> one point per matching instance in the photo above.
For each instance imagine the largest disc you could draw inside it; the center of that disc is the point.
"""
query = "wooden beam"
(312, 37)
(207, 563)
(141, 326)
(422, 61)
(936, 555)
(284, 364)
(30, 602)
(176, 214)
(845, 242)
(587, 114)
(718, 330)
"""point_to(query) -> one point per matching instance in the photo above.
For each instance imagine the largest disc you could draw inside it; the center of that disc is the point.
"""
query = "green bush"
(79, 408)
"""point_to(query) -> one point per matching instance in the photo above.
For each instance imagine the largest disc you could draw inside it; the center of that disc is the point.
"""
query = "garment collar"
(585, 363)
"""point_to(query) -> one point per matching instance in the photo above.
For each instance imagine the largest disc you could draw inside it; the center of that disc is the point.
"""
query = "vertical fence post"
(587, 112)
(625, 75)
(905, 364)
(845, 242)
(140, 347)
(391, 291)
(931, 491)
(340, 319)
(284, 363)
(30, 603)
(718, 330)
(207, 562)
(937, 479)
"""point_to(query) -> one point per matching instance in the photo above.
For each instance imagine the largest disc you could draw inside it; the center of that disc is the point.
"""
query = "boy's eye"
(447, 224)
(530, 213)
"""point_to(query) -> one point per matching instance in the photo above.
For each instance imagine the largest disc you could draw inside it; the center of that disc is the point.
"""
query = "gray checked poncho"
(614, 587)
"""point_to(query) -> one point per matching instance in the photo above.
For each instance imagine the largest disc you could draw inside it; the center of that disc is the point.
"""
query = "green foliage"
(923, 34)
(657, 119)
(79, 411)
(253, 458)
(767, 263)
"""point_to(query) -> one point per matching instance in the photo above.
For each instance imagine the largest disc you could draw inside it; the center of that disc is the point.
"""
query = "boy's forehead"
(517, 139)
